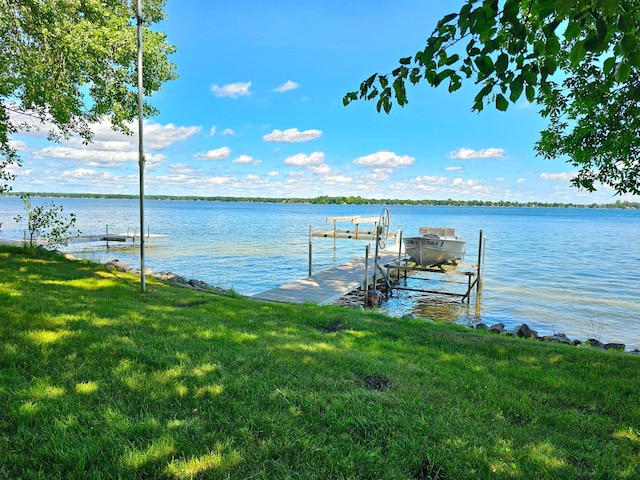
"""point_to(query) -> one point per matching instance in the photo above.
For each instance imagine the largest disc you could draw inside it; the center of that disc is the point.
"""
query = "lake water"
(575, 271)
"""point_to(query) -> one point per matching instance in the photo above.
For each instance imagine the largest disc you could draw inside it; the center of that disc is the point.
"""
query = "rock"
(524, 331)
(481, 326)
(615, 346)
(560, 338)
(497, 328)
(409, 316)
(594, 342)
(635, 351)
(509, 333)
(576, 343)
(68, 256)
(118, 265)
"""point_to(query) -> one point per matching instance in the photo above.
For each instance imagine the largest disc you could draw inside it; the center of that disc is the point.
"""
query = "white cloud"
(96, 158)
(232, 90)
(520, 180)
(228, 131)
(159, 137)
(468, 153)
(86, 174)
(460, 181)
(156, 136)
(341, 179)
(292, 135)
(285, 87)
(221, 153)
(212, 131)
(181, 169)
(453, 169)
(385, 159)
(565, 176)
(303, 160)
(321, 169)
(380, 174)
(247, 160)
(274, 174)
(17, 145)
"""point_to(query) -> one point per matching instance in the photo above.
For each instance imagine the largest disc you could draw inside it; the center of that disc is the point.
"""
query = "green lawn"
(100, 381)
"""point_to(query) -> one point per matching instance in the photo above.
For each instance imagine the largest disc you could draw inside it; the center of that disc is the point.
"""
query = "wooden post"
(310, 249)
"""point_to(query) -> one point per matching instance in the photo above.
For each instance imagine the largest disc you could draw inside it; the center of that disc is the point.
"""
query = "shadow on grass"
(100, 381)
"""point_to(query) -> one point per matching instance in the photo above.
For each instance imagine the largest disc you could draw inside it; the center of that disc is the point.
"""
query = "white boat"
(435, 246)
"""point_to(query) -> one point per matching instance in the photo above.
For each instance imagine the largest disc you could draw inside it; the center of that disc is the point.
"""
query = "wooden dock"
(329, 285)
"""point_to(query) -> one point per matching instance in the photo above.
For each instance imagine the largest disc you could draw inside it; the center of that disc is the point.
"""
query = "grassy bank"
(99, 381)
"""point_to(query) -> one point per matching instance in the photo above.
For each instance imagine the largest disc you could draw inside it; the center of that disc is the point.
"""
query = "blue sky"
(257, 111)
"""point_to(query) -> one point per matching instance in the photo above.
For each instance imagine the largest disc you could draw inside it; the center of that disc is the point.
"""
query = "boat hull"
(427, 252)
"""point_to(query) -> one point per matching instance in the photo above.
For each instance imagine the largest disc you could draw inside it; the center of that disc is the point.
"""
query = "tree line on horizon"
(337, 200)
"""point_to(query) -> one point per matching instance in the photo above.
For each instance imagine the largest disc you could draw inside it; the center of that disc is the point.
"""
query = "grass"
(99, 381)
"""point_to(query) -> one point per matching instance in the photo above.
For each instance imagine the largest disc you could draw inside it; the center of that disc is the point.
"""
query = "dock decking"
(329, 285)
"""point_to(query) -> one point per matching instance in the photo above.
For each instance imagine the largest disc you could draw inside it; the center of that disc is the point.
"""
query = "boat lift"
(449, 273)
(470, 275)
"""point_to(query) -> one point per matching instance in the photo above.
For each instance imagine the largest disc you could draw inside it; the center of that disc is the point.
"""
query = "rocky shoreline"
(169, 277)
(356, 299)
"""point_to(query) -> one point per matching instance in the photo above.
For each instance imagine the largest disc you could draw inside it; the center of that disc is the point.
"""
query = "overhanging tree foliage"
(578, 59)
(67, 63)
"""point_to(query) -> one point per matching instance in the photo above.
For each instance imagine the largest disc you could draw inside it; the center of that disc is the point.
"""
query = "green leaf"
(455, 83)
(501, 63)
(405, 61)
(349, 97)
(577, 53)
(628, 43)
(623, 70)
(552, 46)
(415, 75)
(501, 103)
(485, 65)
(399, 89)
(452, 59)
(609, 65)
(446, 19)
(602, 28)
(369, 81)
(573, 30)
(517, 86)
(530, 92)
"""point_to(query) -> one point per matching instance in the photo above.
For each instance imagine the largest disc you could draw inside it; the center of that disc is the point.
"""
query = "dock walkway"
(329, 285)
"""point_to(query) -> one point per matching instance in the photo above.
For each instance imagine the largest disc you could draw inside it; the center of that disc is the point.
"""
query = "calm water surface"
(575, 271)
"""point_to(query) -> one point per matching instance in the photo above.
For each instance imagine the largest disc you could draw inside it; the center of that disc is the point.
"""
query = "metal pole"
(310, 249)
(479, 266)
(375, 258)
(141, 160)
(399, 239)
(366, 276)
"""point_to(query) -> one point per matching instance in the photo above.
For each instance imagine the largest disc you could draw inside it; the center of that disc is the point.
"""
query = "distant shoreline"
(340, 200)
